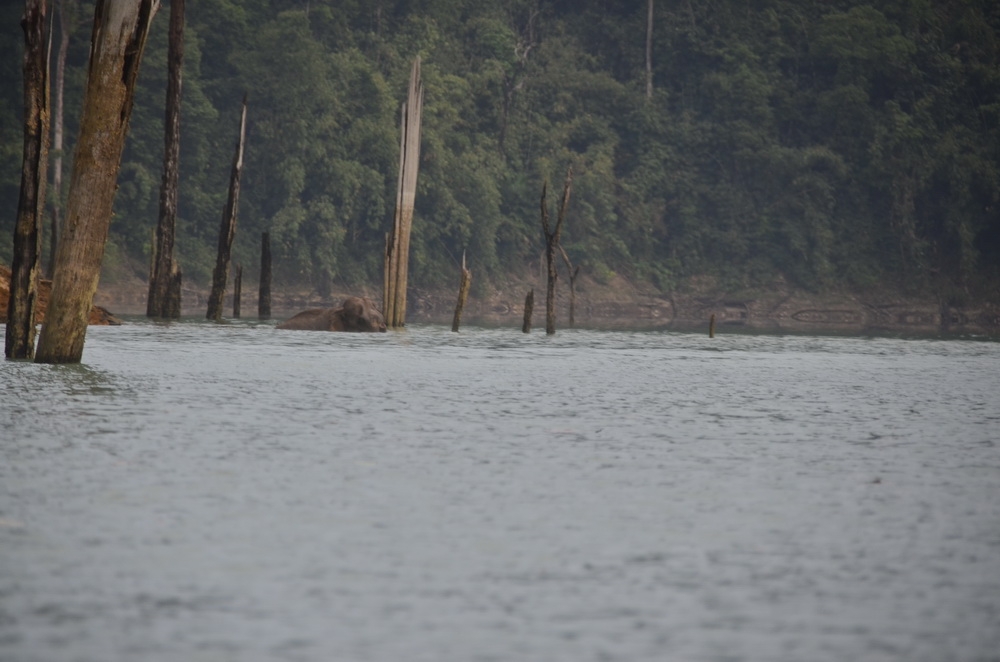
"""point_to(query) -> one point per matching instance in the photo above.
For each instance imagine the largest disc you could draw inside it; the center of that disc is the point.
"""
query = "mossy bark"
(117, 44)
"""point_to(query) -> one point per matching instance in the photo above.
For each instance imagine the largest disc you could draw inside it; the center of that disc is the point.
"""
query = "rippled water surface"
(202, 492)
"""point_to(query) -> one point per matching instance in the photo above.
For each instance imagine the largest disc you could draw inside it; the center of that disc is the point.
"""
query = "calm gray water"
(200, 492)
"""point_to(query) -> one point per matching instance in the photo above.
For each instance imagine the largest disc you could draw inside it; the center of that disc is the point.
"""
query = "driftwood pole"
(572, 273)
(165, 274)
(19, 341)
(237, 290)
(529, 306)
(264, 292)
(551, 243)
(227, 229)
(117, 43)
(397, 246)
(463, 294)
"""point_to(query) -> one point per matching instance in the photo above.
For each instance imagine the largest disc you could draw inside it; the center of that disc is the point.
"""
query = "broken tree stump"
(529, 305)
(237, 290)
(227, 228)
(264, 291)
(463, 294)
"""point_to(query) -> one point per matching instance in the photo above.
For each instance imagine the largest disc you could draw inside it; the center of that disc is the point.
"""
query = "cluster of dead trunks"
(354, 314)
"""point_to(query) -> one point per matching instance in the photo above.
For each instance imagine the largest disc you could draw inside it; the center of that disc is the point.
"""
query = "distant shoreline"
(775, 311)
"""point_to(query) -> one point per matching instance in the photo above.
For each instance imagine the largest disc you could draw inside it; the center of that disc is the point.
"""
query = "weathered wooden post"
(264, 291)
(237, 290)
(117, 44)
(529, 306)
(227, 229)
(463, 294)
(551, 243)
(19, 340)
(397, 245)
(162, 301)
(711, 326)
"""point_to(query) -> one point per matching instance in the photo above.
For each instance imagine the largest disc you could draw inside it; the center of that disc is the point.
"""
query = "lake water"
(233, 492)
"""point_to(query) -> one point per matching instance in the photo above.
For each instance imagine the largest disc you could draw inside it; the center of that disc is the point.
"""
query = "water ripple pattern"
(234, 492)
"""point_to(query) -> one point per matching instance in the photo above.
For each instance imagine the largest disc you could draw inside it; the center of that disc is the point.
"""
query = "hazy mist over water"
(234, 492)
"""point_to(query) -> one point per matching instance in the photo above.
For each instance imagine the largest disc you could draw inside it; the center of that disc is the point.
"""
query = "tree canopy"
(836, 144)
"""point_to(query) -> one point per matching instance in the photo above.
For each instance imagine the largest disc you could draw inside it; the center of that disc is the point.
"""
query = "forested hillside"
(836, 143)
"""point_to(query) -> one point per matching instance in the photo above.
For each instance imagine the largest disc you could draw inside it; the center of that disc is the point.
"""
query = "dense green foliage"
(835, 143)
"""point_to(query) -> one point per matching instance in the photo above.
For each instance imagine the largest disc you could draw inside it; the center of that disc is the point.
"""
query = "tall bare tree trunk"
(649, 50)
(551, 244)
(165, 273)
(227, 229)
(19, 341)
(59, 88)
(397, 250)
(117, 44)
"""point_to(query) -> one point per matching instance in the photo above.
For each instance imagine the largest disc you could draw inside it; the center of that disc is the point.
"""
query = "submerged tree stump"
(551, 243)
(264, 289)
(397, 245)
(163, 301)
(463, 294)
(237, 290)
(529, 306)
(227, 228)
(572, 273)
(19, 340)
(117, 44)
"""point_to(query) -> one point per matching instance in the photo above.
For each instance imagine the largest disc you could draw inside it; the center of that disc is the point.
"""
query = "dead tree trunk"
(463, 294)
(551, 243)
(397, 249)
(572, 273)
(237, 290)
(117, 44)
(59, 87)
(19, 341)
(529, 307)
(174, 298)
(264, 291)
(165, 272)
(227, 229)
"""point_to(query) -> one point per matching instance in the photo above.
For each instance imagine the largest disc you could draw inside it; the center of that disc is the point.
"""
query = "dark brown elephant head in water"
(355, 314)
